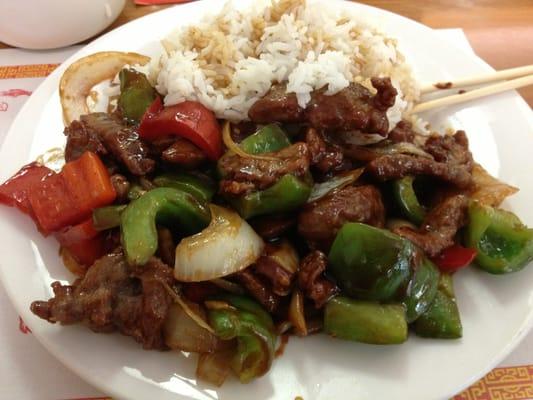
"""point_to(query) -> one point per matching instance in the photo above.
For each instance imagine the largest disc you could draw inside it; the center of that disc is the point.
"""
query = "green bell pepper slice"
(285, 195)
(200, 187)
(136, 94)
(442, 319)
(370, 263)
(502, 242)
(405, 196)
(364, 321)
(267, 139)
(254, 330)
(167, 206)
(107, 217)
(422, 289)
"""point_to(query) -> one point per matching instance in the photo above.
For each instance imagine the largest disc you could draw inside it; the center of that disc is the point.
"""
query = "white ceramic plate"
(496, 310)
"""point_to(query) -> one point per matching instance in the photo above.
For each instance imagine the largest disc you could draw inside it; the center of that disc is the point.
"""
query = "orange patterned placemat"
(26, 71)
(509, 383)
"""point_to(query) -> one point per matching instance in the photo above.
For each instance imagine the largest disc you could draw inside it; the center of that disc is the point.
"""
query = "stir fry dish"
(208, 216)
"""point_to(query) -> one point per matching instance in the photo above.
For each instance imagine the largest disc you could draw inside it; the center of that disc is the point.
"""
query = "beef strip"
(166, 247)
(242, 175)
(450, 149)
(451, 162)
(106, 135)
(440, 226)
(272, 226)
(276, 105)
(183, 153)
(386, 95)
(81, 139)
(402, 132)
(111, 297)
(258, 289)
(325, 157)
(320, 221)
(352, 108)
(396, 166)
(280, 279)
(311, 280)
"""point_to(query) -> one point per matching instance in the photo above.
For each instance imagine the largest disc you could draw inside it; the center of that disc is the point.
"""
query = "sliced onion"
(215, 367)
(337, 182)
(402, 148)
(218, 305)
(283, 327)
(234, 147)
(286, 256)
(200, 320)
(296, 313)
(359, 138)
(181, 332)
(226, 246)
(81, 76)
(488, 190)
(228, 286)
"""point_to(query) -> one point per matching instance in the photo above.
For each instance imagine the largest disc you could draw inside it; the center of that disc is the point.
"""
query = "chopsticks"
(523, 75)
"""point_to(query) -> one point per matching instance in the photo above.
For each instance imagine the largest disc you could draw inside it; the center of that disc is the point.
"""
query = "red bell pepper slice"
(88, 182)
(14, 191)
(88, 251)
(77, 233)
(190, 120)
(84, 243)
(454, 257)
(69, 197)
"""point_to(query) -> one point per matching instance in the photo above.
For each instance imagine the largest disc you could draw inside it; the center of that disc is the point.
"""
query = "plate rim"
(108, 389)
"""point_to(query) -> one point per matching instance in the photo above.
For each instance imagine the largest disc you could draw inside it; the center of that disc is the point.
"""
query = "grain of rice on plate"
(230, 60)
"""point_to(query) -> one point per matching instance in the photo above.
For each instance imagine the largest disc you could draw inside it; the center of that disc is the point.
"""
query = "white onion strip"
(81, 76)
(226, 246)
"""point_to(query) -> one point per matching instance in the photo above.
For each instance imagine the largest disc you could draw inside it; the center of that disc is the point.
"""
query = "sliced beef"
(280, 279)
(272, 226)
(242, 175)
(452, 161)
(276, 105)
(258, 289)
(320, 221)
(397, 166)
(183, 153)
(113, 297)
(440, 226)
(325, 157)
(359, 154)
(352, 108)
(81, 139)
(450, 149)
(312, 281)
(106, 135)
(386, 95)
(402, 132)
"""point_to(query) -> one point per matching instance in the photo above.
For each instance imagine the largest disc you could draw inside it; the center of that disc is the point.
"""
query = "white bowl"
(47, 24)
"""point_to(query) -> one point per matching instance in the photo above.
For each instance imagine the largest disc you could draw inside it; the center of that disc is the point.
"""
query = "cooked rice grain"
(229, 60)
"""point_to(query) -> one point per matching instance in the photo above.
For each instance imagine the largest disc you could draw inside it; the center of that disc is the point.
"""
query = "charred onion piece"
(81, 76)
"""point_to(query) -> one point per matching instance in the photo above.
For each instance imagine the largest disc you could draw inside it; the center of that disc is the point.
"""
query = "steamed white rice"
(229, 60)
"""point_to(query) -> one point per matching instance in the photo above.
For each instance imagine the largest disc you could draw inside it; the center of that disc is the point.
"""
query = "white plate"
(497, 311)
